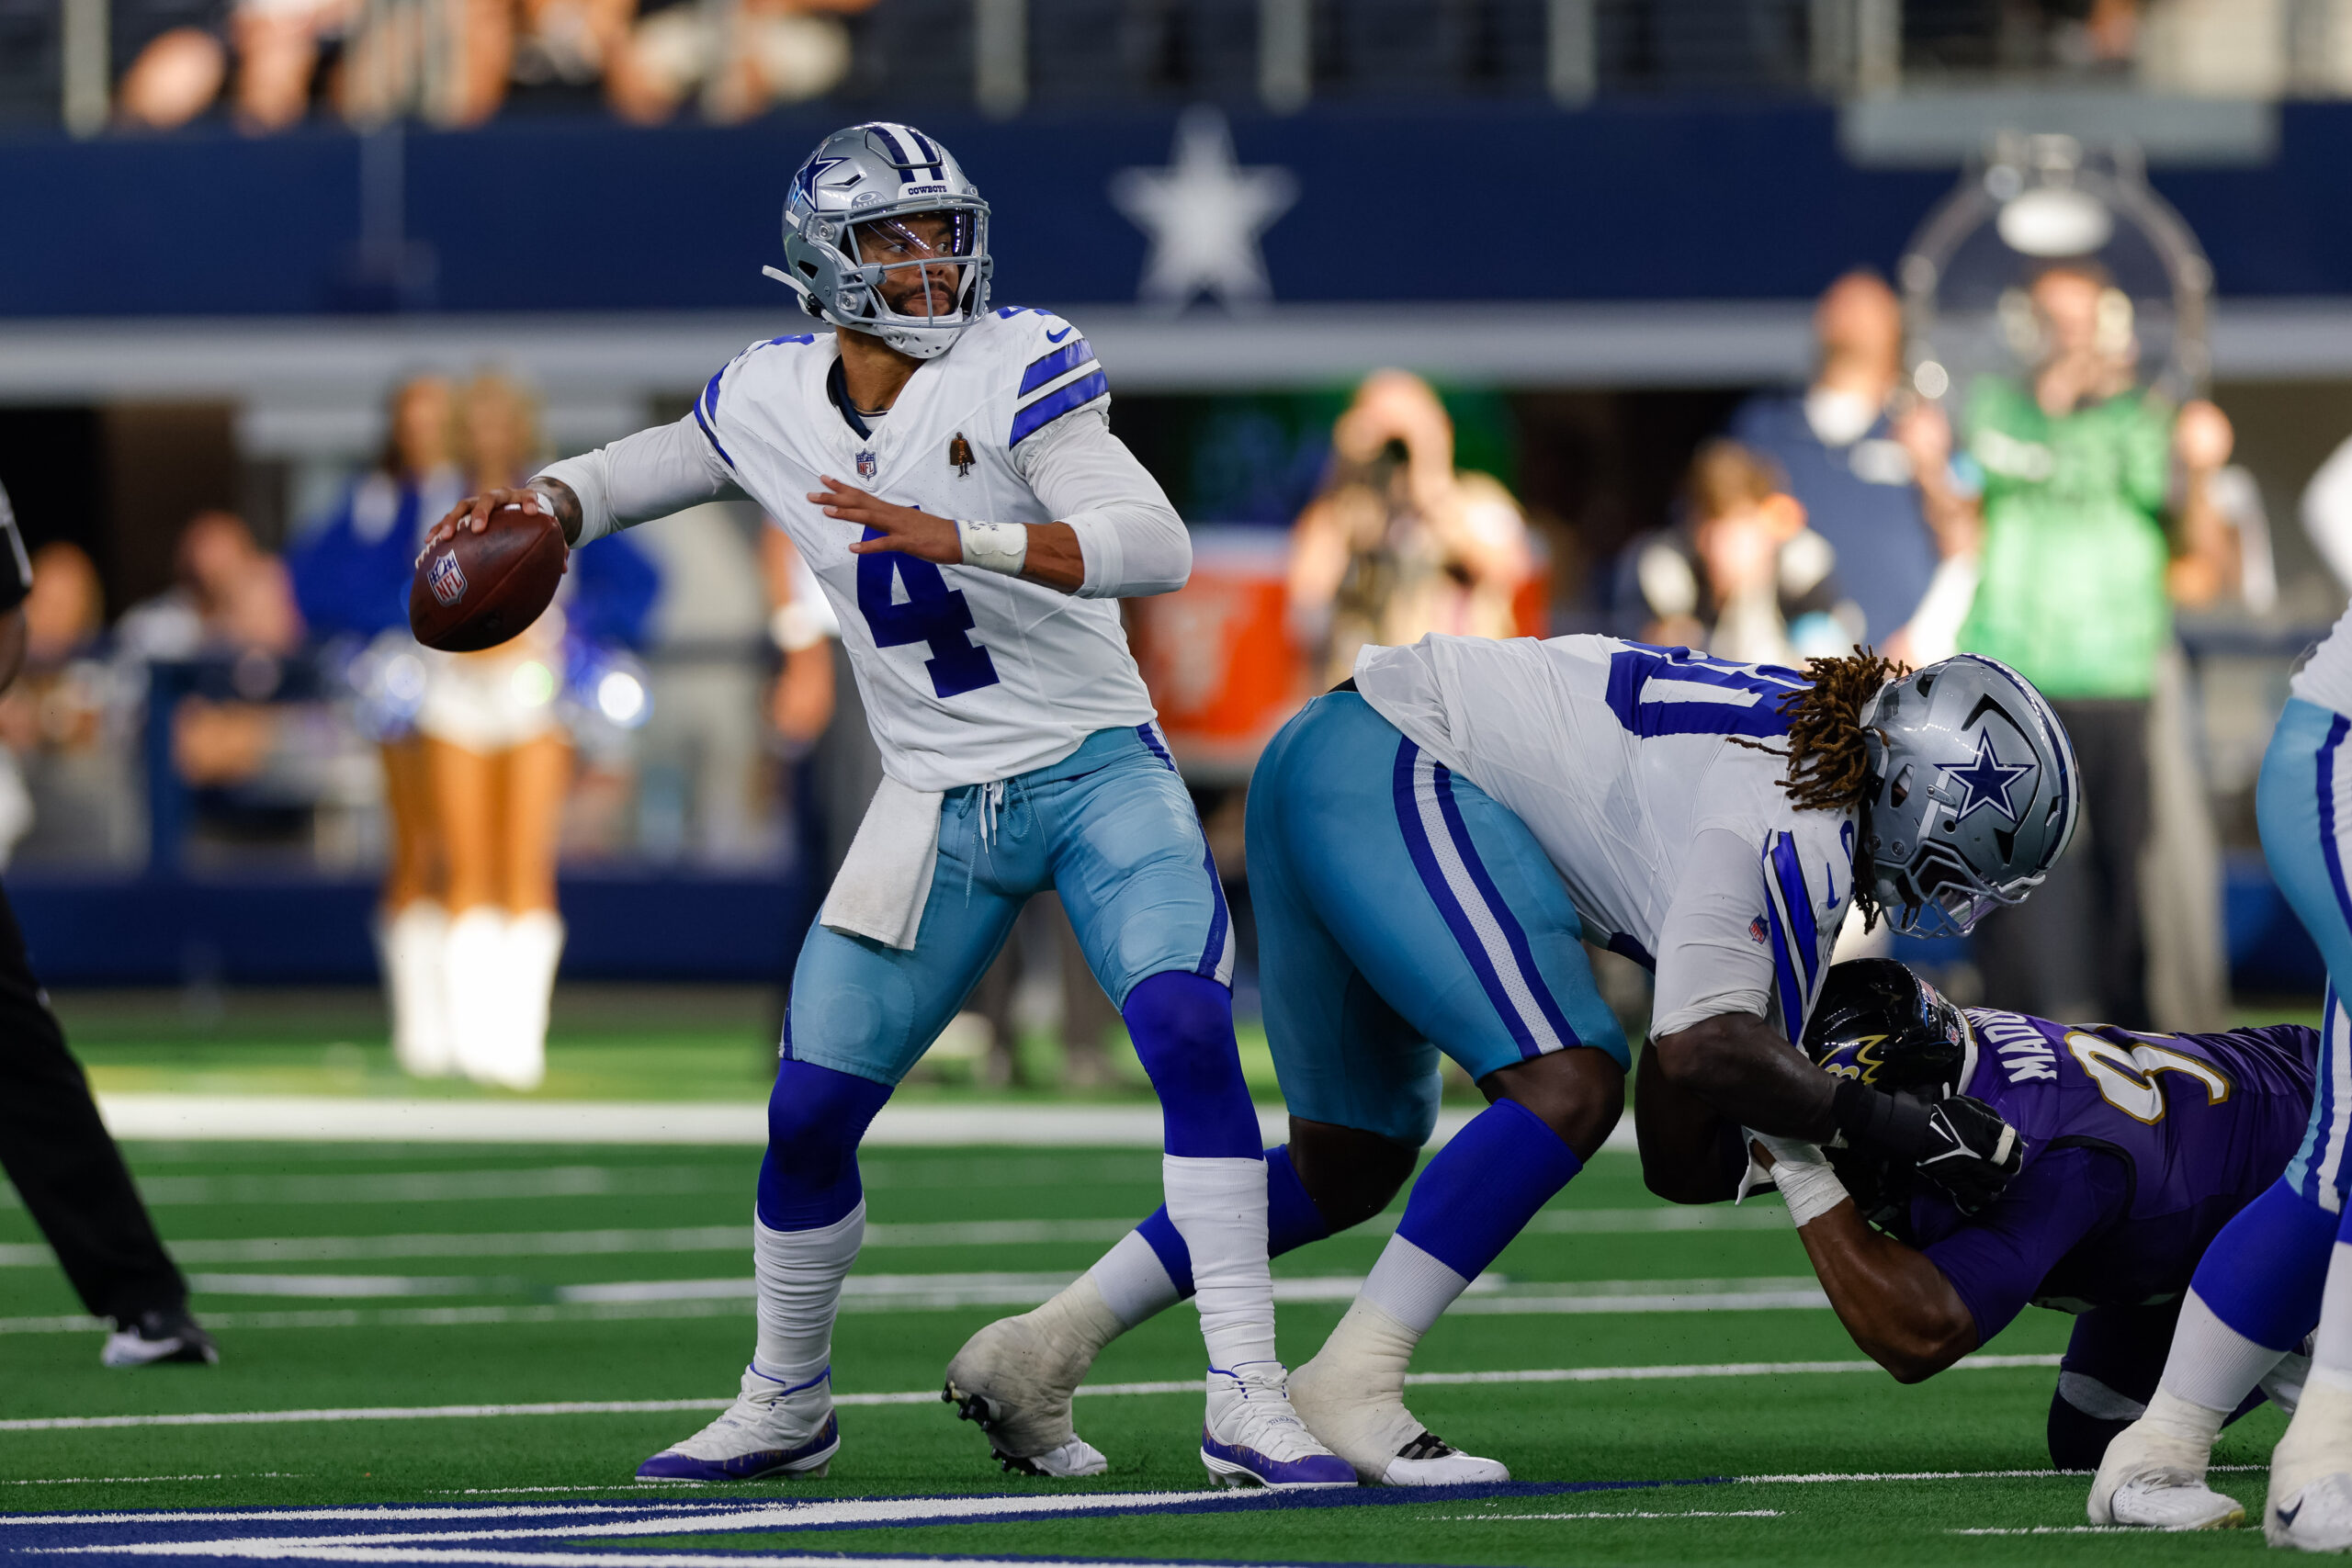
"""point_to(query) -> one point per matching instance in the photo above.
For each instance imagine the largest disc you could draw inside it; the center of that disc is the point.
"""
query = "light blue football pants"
(1110, 828)
(1403, 911)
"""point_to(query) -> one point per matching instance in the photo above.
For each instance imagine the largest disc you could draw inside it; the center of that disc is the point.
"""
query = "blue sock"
(816, 1116)
(1183, 1028)
(1485, 1186)
(2263, 1274)
(1292, 1221)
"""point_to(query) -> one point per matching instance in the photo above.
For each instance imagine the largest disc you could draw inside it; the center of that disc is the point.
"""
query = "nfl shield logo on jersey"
(446, 579)
(866, 464)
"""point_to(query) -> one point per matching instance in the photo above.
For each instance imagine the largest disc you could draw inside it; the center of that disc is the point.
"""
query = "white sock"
(1411, 1286)
(535, 947)
(411, 946)
(2212, 1368)
(475, 971)
(2331, 1346)
(1218, 1206)
(1133, 1282)
(800, 1275)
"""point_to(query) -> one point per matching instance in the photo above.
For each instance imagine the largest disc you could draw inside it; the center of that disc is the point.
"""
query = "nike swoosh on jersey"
(1057, 337)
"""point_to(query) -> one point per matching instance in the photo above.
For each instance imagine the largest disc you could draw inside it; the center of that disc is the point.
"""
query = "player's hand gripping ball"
(474, 590)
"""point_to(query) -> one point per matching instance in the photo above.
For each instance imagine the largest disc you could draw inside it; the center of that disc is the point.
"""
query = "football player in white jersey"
(948, 472)
(2284, 1263)
(1430, 847)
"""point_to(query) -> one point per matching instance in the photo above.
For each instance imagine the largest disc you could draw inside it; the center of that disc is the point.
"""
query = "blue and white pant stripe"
(1491, 938)
(2304, 805)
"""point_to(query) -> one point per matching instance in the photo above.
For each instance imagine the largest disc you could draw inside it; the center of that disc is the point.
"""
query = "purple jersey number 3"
(932, 613)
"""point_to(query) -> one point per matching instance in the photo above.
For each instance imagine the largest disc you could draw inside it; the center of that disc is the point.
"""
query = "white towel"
(885, 880)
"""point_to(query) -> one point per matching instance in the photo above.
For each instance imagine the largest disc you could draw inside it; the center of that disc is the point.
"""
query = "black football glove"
(1970, 1154)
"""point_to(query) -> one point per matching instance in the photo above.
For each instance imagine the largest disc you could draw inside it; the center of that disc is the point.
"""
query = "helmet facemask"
(883, 234)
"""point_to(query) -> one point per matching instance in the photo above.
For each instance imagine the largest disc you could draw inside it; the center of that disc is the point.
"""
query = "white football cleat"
(2317, 1518)
(772, 1429)
(1253, 1437)
(1380, 1438)
(1015, 1379)
(2154, 1480)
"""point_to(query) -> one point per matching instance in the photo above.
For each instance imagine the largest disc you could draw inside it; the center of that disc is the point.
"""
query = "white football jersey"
(1678, 845)
(2326, 677)
(967, 675)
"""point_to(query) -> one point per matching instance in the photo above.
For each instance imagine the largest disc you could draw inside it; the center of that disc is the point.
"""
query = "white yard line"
(930, 1396)
(659, 1240)
(356, 1119)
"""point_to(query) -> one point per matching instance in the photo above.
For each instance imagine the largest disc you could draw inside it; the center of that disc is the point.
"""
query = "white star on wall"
(1203, 214)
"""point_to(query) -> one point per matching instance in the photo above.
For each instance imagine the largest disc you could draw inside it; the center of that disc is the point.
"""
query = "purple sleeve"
(1996, 1260)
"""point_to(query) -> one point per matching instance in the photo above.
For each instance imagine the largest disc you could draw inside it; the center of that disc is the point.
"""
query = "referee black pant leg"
(62, 1161)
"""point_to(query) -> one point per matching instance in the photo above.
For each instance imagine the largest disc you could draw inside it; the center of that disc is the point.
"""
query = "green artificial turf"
(387, 1351)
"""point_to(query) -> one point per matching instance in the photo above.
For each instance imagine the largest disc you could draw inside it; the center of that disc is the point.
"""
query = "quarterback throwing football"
(948, 472)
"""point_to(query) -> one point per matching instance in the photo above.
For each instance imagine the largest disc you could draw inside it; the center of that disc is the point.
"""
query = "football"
(478, 590)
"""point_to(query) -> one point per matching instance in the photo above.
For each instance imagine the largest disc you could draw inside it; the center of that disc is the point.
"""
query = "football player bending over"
(2138, 1148)
(2286, 1262)
(1430, 847)
(976, 564)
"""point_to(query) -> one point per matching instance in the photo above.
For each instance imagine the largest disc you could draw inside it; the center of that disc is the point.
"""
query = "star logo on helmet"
(1986, 780)
(810, 172)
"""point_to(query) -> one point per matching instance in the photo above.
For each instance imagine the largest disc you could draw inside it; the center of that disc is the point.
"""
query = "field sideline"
(469, 1346)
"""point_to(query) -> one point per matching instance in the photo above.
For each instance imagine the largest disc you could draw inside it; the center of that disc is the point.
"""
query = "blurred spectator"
(71, 718)
(1743, 578)
(1844, 453)
(2079, 573)
(1399, 544)
(228, 595)
(279, 47)
(351, 577)
(745, 58)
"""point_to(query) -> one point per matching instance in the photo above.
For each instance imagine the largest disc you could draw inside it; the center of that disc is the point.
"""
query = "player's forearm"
(1741, 1066)
(1691, 1153)
(1896, 1303)
(651, 474)
(1055, 558)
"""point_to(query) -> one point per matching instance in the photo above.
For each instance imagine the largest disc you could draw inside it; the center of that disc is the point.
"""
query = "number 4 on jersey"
(930, 613)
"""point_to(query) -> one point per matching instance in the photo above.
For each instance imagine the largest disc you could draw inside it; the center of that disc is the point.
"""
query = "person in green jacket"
(2095, 520)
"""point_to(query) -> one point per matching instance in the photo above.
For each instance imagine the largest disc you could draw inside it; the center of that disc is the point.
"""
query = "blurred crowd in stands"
(268, 64)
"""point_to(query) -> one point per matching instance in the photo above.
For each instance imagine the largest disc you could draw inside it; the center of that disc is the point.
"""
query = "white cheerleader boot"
(480, 991)
(412, 946)
(533, 948)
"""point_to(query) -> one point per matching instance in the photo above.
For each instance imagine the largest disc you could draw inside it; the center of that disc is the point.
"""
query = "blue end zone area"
(281, 930)
(461, 1532)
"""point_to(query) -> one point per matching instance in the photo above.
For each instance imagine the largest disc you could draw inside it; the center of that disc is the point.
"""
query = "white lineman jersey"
(967, 675)
(1677, 843)
(2326, 678)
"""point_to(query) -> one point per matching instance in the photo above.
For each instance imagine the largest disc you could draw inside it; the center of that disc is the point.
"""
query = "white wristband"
(995, 547)
(1808, 1186)
(796, 626)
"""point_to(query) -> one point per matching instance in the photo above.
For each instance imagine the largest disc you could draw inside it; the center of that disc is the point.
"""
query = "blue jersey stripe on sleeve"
(712, 436)
(1053, 405)
(1059, 363)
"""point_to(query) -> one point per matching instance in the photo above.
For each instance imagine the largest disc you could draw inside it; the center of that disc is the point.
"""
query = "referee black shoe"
(166, 1333)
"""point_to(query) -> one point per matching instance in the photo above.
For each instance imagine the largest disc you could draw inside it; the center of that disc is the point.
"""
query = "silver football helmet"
(881, 199)
(1973, 793)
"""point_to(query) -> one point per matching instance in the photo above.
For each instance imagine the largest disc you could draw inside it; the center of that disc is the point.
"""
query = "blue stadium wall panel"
(1647, 201)
(283, 931)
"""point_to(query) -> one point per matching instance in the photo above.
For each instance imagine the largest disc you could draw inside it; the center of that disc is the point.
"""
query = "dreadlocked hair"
(1828, 766)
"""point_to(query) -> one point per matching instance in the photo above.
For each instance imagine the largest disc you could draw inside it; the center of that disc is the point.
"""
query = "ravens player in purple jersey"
(2138, 1149)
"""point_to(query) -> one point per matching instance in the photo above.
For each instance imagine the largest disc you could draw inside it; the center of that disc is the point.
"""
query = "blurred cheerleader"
(351, 579)
(498, 761)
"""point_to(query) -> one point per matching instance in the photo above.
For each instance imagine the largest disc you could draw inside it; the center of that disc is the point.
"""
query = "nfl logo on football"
(866, 464)
(446, 579)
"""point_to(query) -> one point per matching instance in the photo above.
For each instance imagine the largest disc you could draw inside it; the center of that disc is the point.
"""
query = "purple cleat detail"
(809, 1458)
(1235, 1465)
